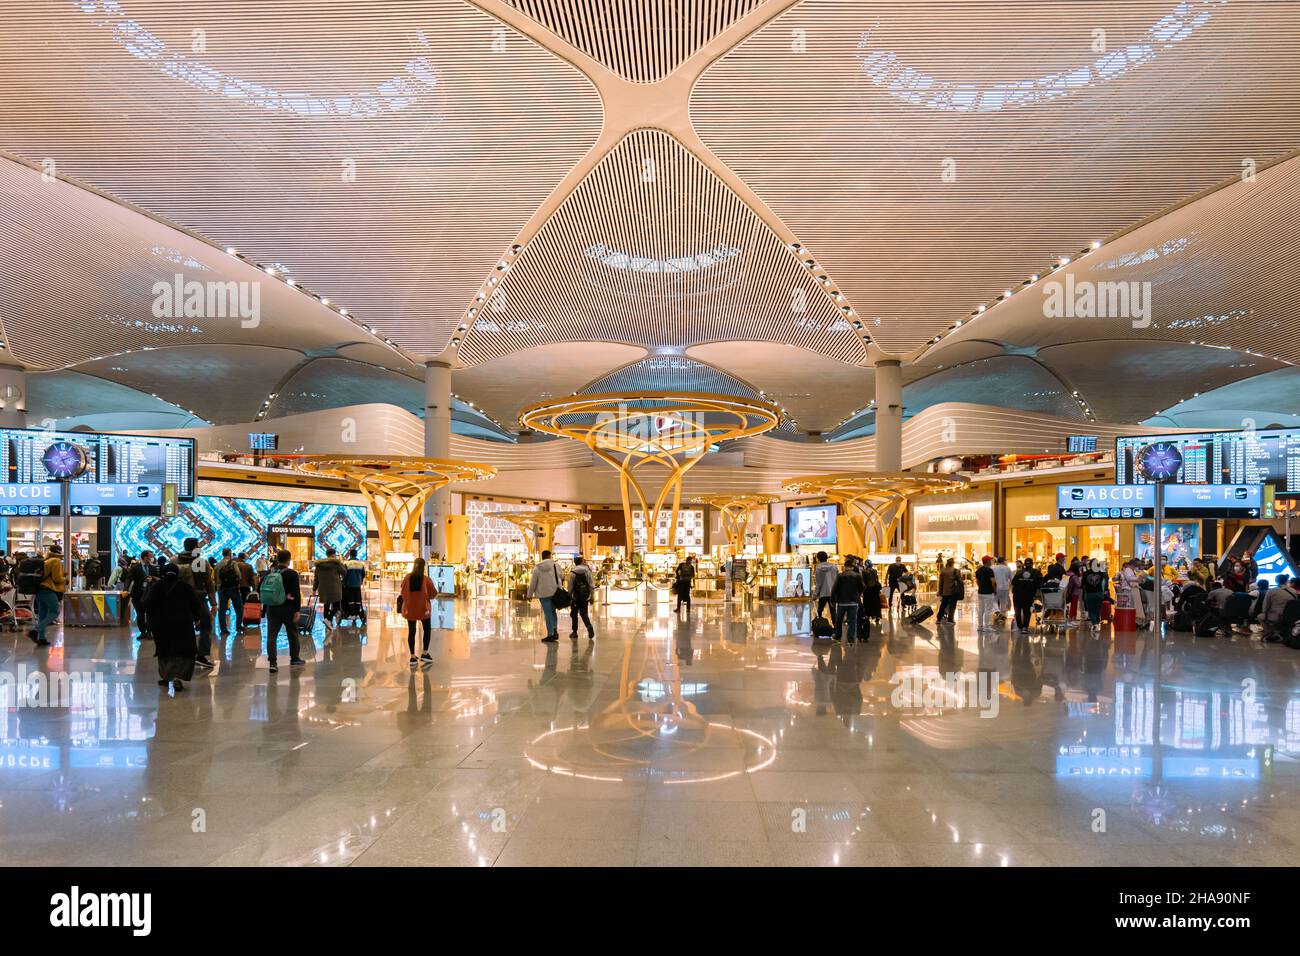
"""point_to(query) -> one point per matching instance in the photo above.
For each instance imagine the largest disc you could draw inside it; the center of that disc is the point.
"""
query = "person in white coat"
(543, 585)
(1002, 578)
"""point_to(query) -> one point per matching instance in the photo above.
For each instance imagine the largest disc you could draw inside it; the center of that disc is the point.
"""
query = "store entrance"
(1041, 544)
(298, 540)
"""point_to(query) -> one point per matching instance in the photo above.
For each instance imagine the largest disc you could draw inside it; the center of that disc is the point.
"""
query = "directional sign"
(1087, 502)
(1214, 501)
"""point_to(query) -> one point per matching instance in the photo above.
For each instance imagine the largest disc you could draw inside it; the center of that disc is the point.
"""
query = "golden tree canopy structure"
(874, 502)
(538, 526)
(735, 513)
(396, 488)
(672, 429)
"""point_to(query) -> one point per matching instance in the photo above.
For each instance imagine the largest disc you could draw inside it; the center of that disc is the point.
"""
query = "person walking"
(950, 589)
(281, 596)
(49, 595)
(329, 585)
(137, 580)
(1094, 584)
(824, 582)
(543, 584)
(415, 603)
(847, 594)
(892, 575)
(197, 573)
(173, 608)
(581, 586)
(683, 583)
(230, 595)
(247, 576)
(1002, 575)
(1025, 586)
(986, 588)
(870, 592)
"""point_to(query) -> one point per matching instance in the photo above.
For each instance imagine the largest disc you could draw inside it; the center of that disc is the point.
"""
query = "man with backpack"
(580, 589)
(197, 573)
(281, 600)
(230, 593)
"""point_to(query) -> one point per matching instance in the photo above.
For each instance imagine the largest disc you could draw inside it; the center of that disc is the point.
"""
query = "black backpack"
(228, 576)
(581, 588)
(30, 574)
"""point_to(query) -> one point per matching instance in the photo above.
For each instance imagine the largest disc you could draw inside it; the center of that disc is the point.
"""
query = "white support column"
(13, 396)
(889, 414)
(437, 444)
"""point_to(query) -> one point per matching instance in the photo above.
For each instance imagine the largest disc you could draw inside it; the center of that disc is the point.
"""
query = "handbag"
(561, 598)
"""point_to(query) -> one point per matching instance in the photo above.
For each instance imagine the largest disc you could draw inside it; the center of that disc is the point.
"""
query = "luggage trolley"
(1053, 616)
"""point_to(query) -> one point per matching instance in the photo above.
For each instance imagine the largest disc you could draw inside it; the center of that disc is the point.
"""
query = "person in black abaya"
(172, 607)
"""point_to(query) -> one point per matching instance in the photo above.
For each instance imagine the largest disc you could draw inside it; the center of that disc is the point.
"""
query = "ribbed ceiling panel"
(386, 152)
(671, 372)
(653, 249)
(1222, 271)
(640, 40)
(81, 277)
(933, 153)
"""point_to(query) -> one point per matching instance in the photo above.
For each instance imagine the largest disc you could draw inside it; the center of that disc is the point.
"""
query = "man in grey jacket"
(543, 585)
(824, 576)
(1275, 603)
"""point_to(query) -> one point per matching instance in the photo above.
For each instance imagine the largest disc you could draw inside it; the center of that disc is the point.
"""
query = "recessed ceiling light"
(232, 250)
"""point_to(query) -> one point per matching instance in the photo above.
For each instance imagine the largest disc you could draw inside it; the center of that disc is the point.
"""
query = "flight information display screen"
(1267, 456)
(134, 460)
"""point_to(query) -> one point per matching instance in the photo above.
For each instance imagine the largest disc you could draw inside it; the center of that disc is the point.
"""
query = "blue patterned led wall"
(241, 524)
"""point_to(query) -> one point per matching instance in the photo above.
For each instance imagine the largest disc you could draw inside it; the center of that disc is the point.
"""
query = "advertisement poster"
(811, 524)
(1182, 541)
(443, 577)
(793, 582)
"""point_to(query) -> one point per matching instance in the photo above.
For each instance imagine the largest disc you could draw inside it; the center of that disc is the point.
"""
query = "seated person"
(1219, 596)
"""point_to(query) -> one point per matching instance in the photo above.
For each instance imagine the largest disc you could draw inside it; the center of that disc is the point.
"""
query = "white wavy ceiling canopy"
(495, 178)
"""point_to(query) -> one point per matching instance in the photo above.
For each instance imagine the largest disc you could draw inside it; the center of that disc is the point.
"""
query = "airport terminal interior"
(650, 433)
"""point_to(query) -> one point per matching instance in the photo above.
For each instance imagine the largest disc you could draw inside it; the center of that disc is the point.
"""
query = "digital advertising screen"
(126, 460)
(443, 577)
(811, 524)
(793, 582)
(1264, 456)
(1181, 541)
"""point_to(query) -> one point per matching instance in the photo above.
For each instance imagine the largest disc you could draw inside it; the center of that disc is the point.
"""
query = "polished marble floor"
(722, 739)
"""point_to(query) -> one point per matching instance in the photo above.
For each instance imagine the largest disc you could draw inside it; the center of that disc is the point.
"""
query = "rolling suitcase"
(920, 614)
(822, 628)
(252, 610)
(307, 617)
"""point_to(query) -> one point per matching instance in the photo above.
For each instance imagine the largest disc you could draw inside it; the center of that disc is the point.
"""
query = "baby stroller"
(353, 607)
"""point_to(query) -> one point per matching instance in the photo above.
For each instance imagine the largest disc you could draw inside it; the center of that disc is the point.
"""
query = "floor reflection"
(725, 737)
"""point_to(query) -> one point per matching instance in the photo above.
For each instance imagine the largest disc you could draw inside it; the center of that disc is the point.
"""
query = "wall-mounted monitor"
(1249, 457)
(811, 524)
(1081, 444)
(125, 474)
(263, 441)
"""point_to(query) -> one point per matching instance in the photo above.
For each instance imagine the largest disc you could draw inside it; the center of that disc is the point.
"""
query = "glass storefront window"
(1041, 544)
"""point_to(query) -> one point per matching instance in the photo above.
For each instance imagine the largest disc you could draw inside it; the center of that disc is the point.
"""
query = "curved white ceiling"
(891, 162)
